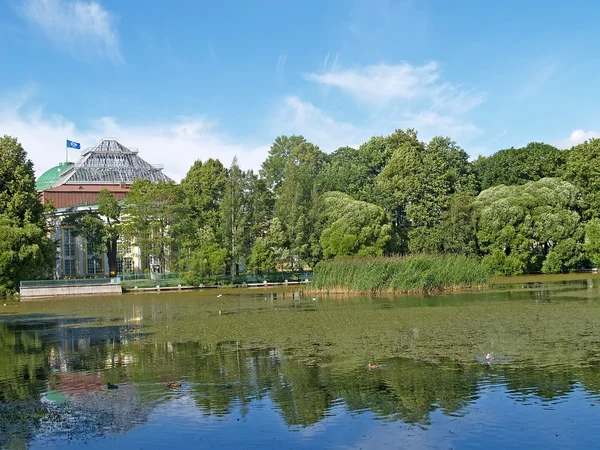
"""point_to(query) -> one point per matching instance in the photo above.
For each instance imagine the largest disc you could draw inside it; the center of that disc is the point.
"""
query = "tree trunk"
(112, 256)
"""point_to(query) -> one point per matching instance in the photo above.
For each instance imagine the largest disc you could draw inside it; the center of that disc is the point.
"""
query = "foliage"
(531, 228)
(202, 192)
(207, 260)
(419, 182)
(269, 251)
(583, 170)
(353, 227)
(591, 245)
(150, 211)
(26, 252)
(274, 167)
(520, 165)
(408, 274)
(99, 227)
(294, 205)
(233, 216)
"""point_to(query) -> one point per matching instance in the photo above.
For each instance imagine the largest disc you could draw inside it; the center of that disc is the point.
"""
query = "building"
(71, 187)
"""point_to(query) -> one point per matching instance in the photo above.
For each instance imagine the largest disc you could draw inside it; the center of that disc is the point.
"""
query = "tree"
(294, 206)
(271, 250)
(583, 170)
(531, 228)
(150, 211)
(353, 227)
(202, 189)
(273, 168)
(520, 165)
(100, 227)
(591, 244)
(207, 260)
(233, 216)
(26, 252)
(417, 185)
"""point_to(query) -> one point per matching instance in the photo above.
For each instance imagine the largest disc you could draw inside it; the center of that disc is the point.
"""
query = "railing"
(174, 279)
(68, 282)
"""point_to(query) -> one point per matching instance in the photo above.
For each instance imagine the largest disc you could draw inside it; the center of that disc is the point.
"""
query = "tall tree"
(273, 168)
(417, 184)
(202, 192)
(100, 227)
(353, 227)
(26, 252)
(583, 170)
(294, 206)
(233, 216)
(520, 165)
(150, 211)
(531, 228)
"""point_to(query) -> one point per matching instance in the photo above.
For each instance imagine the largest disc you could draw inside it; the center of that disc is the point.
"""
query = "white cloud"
(577, 137)
(295, 116)
(78, 26)
(176, 144)
(383, 83)
(406, 96)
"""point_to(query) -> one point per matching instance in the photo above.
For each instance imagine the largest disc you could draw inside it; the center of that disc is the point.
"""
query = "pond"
(515, 365)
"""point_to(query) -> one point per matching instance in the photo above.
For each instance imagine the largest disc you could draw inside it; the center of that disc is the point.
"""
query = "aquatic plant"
(406, 274)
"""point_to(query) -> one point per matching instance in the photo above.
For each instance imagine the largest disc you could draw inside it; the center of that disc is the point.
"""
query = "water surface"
(515, 365)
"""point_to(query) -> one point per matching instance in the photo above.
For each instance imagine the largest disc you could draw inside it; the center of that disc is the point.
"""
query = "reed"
(406, 274)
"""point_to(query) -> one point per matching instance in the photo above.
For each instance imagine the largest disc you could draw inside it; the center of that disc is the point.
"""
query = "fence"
(68, 282)
(174, 279)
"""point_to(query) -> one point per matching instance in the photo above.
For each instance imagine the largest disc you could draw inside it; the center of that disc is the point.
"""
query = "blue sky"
(186, 80)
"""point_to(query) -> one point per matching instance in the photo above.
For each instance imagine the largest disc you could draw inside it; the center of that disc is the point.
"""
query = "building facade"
(71, 187)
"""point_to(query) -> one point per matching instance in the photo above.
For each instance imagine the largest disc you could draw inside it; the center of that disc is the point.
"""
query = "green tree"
(233, 216)
(26, 252)
(202, 192)
(353, 227)
(417, 186)
(520, 165)
(150, 210)
(294, 206)
(207, 260)
(273, 168)
(100, 227)
(583, 170)
(531, 228)
(591, 244)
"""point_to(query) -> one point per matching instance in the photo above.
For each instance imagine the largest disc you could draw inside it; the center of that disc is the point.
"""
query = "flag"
(72, 144)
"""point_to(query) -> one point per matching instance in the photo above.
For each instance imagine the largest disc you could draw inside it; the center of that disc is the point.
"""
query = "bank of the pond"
(400, 275)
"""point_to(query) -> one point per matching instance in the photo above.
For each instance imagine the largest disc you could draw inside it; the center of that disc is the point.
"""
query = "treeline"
(524, 210)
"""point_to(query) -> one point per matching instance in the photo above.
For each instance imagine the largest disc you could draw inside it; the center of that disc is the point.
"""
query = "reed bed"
(400, 275)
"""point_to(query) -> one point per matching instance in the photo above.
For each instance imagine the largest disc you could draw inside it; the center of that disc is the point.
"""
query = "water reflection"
(55, 369)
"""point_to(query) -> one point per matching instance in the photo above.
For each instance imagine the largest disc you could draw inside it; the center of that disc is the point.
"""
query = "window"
(68, 252)
(125, 265)
(94, 261)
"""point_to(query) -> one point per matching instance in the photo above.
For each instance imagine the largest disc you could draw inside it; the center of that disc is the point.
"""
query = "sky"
(187, 80)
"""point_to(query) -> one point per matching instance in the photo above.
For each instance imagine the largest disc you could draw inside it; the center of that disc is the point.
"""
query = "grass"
(405, 275)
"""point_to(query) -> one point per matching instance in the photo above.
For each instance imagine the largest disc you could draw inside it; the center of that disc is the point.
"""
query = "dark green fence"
(174, 279)
(68, 282)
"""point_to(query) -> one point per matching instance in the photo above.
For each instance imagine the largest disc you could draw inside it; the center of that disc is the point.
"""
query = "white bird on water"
(220, 295)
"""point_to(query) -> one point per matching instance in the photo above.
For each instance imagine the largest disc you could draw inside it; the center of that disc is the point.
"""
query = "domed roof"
(51, 176)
